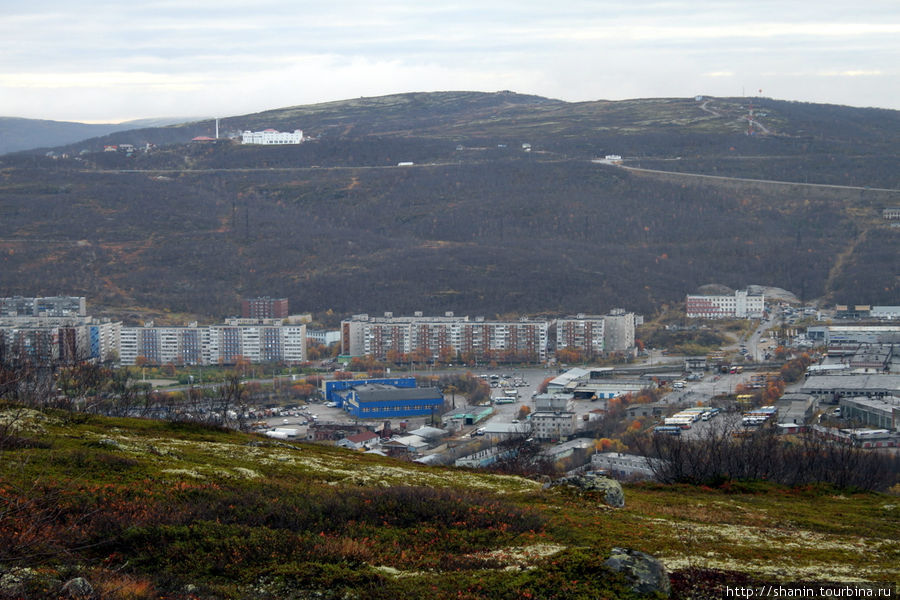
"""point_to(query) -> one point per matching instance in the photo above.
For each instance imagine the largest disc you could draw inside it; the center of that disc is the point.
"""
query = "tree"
(728, 452)
(542, 388)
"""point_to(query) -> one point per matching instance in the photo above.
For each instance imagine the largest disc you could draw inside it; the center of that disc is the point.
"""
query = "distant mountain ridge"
(18, 134)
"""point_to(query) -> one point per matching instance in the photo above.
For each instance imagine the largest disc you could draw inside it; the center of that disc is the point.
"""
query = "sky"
(111, 60)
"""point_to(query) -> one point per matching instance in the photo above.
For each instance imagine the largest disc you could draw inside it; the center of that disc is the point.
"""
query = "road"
(769, 181)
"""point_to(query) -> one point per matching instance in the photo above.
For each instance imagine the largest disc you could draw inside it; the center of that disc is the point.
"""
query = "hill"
(18, 135)
(147, 509)
(503, 210)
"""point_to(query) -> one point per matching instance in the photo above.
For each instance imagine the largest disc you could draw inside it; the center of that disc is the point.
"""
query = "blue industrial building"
(379, 400)
(333, 387)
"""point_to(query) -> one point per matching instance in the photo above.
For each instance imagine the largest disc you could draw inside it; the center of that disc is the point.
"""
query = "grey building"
(622, 466)
(831, 388)
(883, 413)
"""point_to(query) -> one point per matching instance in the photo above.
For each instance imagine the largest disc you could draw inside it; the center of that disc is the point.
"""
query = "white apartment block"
(270, 137)
(215, 344)
(742, 305)
(618, 333)
(552, 425)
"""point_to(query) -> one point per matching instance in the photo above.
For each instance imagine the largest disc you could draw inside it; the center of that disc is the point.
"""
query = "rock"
(613, 494)
(78, 589)
(648, 574)
(110, 443)
(12, 583)
(612, 489)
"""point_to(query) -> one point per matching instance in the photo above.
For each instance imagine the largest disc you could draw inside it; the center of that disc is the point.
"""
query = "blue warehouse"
(333, 389)
(378, 400)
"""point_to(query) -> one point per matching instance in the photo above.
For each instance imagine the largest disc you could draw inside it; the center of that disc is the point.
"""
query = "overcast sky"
(114, 60)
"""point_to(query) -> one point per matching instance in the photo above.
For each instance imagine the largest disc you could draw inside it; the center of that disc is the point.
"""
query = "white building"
(215, 344)
(888, 313)
(272, 137)
(547, 425)
(618, 331)
(742, 305)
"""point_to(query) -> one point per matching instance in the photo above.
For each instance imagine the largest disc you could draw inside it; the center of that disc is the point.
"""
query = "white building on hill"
(272, 137)
(742, 305)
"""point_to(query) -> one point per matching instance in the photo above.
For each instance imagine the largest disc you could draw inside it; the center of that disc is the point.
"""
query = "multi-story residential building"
(391, 337)
(104, 340)
(583, 332)
(272, 137)
(57, 339)
(618, 330)
(46, 306)
(742, 305)
(595, 335)
(37, 345)
(215, 344)
(264, 308)
(552, 425)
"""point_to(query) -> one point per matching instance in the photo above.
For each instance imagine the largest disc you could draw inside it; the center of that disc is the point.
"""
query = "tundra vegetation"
(145, 508)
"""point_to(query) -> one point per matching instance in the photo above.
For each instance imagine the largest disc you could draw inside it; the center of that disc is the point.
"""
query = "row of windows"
(394, 408)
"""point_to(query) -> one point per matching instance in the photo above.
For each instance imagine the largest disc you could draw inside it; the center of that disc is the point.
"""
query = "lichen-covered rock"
(648, 574)
(78, 588)
(13, 581)
(613, 495)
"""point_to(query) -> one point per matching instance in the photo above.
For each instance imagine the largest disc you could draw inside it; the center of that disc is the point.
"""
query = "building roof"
(577, 443)
(412, 441)
(429, 432)
(505, 428)
(363, 437)
(887, 404)
(378, 392)
(852, 382)
(568, 377)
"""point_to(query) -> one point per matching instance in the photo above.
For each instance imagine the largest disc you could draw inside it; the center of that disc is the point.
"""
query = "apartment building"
(264, 308)
(215, 344)
(444, 337)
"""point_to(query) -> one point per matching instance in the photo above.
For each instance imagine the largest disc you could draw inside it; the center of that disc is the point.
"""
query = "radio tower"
(750, 119)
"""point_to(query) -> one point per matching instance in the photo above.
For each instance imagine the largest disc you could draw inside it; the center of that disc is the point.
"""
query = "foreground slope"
(145, 509)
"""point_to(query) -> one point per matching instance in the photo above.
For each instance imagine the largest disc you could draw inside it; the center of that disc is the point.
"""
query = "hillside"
(479, 224)
(147, 509)
(18, 135)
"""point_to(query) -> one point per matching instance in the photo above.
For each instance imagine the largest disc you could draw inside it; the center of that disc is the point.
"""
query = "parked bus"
(667, 429)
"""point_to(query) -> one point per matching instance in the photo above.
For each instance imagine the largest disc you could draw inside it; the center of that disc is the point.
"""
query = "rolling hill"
(503, 210)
